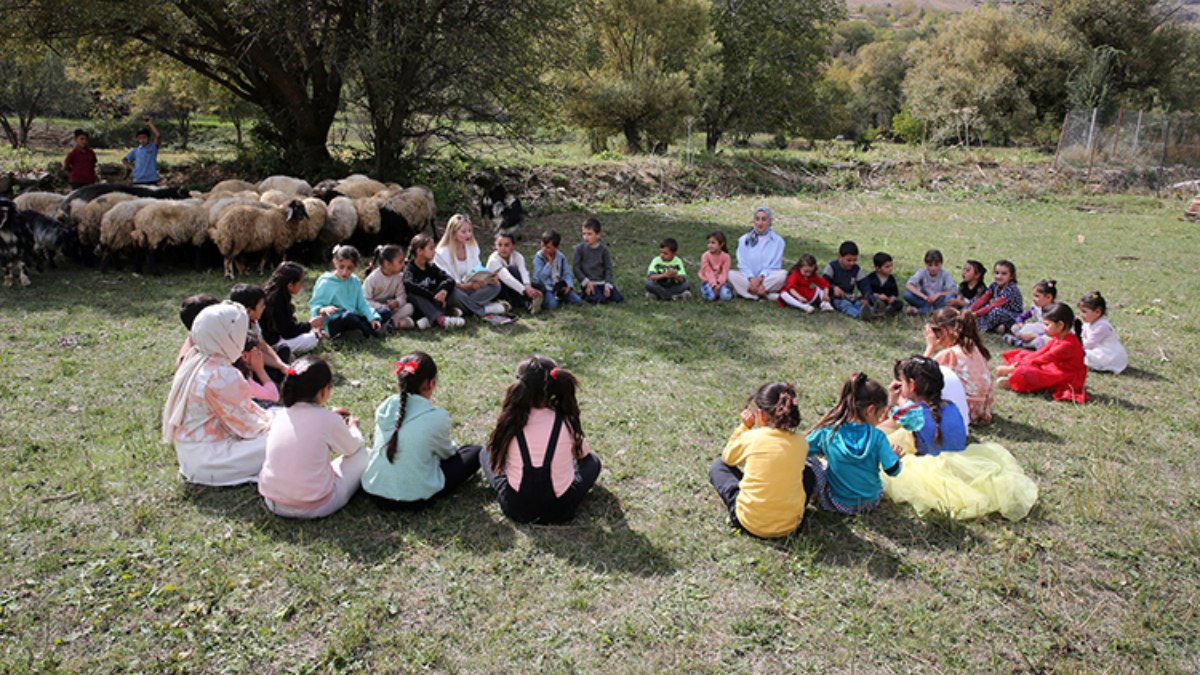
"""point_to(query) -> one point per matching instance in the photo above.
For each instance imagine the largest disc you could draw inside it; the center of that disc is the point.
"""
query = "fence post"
(1091, 147)
(1061, 134)
(1137, 133)
(1117, 136)
(1162, 160)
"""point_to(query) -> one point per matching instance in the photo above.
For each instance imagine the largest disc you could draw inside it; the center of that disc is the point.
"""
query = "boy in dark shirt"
(847, 282)
(593, 266)
(881, 291)
(80, 163)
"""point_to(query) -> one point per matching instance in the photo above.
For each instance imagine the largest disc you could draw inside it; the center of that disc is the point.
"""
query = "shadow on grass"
(1006, 429)
(836, 543)
(600, 538)
(1142, 374)
(1116, 401)
(364, 531)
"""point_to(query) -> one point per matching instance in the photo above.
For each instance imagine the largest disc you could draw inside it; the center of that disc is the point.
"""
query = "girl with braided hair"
(854, 451)
(537, 461)
(413, 461)
(941, 472)
(761, 475)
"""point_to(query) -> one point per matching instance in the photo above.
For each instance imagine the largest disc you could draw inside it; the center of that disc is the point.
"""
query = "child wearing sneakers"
(428, 286)
(804, 287)
(593, 266)
(552, 273)
(931, 288)
(666, 278)
(847, 280)
(516, 287)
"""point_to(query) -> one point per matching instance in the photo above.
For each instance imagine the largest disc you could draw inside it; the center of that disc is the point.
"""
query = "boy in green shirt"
(666, 279)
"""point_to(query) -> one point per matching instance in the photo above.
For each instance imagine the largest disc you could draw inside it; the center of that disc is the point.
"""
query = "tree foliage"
(765, 65)
(633, 75)
(33, 82)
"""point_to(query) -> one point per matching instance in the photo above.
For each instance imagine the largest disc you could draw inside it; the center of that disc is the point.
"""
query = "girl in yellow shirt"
(761, 475)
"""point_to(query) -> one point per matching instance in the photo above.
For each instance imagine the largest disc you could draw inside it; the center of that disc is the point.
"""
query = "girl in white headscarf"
(220, 434)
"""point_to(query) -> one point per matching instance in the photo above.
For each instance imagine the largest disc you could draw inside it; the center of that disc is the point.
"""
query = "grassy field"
(111, 563)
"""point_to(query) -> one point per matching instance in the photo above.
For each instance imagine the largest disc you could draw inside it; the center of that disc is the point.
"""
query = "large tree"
(287, 58)
(631, 73)
(765, 66)
(33, 82)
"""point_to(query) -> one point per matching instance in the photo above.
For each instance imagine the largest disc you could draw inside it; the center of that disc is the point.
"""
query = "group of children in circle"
(242, 359)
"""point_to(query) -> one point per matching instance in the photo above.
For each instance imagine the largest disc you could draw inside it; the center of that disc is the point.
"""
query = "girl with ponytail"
(537, 461)
(1029, 332)
(766, 496)
(1058, 365)
(297, 478)
(413, 461)
(847, 480)
(384, 286)
(1102, 348)
(941, 472)
(952, 339)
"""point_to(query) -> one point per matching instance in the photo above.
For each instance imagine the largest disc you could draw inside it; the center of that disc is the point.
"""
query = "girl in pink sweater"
(714, 269)
(297, 478)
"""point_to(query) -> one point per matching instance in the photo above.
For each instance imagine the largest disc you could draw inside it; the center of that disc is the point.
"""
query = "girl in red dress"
(1058, 365)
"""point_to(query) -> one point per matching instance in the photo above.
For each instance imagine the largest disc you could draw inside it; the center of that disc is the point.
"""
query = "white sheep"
(275, 197)
(217, 203)
(253, 229)
(340, 221)
(359, 186)
(315, 215)
(45, 203)
(88, 215)
(116, 228)
(232, 185)
(292, 186)
(176, 222)
(367, 209)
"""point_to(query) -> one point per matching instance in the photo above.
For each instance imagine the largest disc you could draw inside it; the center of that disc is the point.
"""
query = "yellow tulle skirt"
(984, 478)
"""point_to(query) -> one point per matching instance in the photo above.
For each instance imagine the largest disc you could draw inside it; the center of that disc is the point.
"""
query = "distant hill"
(1190, 9)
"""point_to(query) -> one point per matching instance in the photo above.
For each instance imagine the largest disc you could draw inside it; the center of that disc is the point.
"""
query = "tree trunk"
(184, 121)
(633, 140)
(10, 133)
(712, 136)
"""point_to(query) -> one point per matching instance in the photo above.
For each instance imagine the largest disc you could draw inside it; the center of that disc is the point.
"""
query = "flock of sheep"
(276, 217)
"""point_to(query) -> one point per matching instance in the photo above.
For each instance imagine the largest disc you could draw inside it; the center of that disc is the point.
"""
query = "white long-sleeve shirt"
(459, 269)
(497, 264)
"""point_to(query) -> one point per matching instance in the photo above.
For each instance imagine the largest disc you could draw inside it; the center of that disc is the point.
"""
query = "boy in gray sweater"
(593, 267)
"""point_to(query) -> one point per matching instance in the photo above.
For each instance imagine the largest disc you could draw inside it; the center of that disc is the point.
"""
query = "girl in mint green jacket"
(413, 461)
(338, 296)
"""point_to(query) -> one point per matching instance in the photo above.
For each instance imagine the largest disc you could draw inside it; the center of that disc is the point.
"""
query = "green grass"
(111, 563)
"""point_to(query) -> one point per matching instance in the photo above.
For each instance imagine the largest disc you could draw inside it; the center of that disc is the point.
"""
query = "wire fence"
(1128, 138)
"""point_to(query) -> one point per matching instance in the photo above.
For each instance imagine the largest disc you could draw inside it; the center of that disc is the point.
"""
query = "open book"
(480, 273)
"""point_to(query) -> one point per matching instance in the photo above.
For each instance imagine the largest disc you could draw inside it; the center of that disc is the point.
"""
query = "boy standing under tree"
(142, 161)
(80, 163)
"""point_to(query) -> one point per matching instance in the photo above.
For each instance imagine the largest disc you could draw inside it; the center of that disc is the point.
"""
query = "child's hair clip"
(910, 417)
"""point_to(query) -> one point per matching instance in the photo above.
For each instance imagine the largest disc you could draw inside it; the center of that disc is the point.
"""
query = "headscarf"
(752, 240)
(219, 331)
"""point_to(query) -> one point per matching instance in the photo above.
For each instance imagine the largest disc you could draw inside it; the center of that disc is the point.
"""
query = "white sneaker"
(507, 307)
(455, 311)
(684, 296)
(535, 305)
(494, 308)
(423, 323)
(826, 307)
(806, 308)
(773, 297)
(454, 322)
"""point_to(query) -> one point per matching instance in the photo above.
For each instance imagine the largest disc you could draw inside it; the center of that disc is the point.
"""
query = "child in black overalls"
(536, 460)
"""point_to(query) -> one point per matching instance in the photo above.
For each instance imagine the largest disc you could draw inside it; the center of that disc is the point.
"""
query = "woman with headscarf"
(759, 270)
(219, 433)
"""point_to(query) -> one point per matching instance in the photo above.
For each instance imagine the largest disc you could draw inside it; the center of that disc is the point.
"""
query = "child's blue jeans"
(851, 308)
(922, 306)
(552, 301)
(706, 292)
(596, 297)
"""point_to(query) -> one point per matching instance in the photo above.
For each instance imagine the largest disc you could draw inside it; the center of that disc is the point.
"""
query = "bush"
(907, 128)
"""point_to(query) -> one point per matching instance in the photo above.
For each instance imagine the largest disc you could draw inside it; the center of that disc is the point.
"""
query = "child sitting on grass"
(509, 265)
(287, 336)
(413, 461)
(254, 299)
(952, 339)
(666, 279)
(298, 480)
(1028, 332)
(714, 268)
(931, 288)
(552, 273)
(846, 281)
(338, 296)
(882, 293)
(804, 287)
(1000, 305)
(537, 461)
(593, 266)
(941, 471)
(761, 475)
(973, 285)
(1058, 365)
(384, 286)
(428, 286)
(1102, 348)
(188, 310)
(847, 480)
